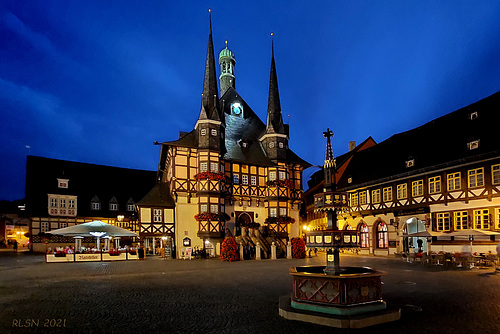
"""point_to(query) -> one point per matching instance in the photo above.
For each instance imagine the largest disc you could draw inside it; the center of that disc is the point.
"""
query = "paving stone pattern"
(211, 296)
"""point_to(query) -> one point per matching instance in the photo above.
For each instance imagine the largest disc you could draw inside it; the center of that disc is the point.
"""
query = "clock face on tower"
(236, 109)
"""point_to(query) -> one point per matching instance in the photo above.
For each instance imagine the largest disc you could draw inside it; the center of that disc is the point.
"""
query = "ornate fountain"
(331, 295)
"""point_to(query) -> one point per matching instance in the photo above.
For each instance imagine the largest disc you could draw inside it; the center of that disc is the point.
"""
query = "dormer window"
(473, 115)
(410, 163)
(281, 145)
(130, 207)
(213, 132)
(95, 203)
(472, 145)
(113, 207)
(62, 183)
(203, 132)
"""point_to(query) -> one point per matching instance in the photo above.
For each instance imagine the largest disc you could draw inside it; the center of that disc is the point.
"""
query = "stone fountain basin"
(355, 290)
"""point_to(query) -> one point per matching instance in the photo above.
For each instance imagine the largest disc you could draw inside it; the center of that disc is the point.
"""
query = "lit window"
(62, 202)
(214, 208)
(62, 183)
(364, 235)
(253, 180)
(130, 207)
(214, 167)
(472, 145)
(495, 174)
(44, 226)
(443, 221)
(53, 202)
(454, 181)
(96, 205)
(203, 132)
(244, 179)
(272, 176)
(282, 175)
(204, 167)
(434, 184)
(157, 215)
(282, 211)
(387, 194)
(476, 178)
(213, 132)
(236, 179)
(482, 219)
(354, 199)
(273, 212)
(497, 217)
(362, 197)
(382, 236)
(402, 191)
(417, 188)
(376, 196)
(113, 207)
(461, 220)
(203, 208)
(71, 203)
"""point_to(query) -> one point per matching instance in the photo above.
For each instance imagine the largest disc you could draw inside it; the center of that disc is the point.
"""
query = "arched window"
(364, 235)
(348, 227)
(382, 236)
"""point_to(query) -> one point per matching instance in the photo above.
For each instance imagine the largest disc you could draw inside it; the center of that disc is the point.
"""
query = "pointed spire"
(210, 96)
(274, 117)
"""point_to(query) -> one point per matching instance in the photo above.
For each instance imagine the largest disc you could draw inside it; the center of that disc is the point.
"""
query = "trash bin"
(140, 253)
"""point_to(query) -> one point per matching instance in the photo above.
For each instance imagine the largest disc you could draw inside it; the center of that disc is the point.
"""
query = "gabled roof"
(158, 196)
(436, 144)
(317, 179)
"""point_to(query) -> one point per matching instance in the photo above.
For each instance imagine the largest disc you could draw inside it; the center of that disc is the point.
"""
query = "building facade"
(231, 173)
(63, 193)
(441, 177)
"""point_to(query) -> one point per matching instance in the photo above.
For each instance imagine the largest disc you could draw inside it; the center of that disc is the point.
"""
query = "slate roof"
(248, 129)
(436, 144)
(85, 181)
(159, 195)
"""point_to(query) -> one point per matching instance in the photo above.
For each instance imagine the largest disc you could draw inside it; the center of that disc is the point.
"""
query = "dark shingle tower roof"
(274, 117)
(210, 97)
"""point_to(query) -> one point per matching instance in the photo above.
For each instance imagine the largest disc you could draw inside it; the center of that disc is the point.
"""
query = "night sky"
(98, 81)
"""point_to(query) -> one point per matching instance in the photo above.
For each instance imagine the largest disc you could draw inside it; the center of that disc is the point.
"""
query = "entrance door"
(414, 225)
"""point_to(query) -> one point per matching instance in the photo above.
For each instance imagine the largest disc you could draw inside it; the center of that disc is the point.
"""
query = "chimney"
(352, 145)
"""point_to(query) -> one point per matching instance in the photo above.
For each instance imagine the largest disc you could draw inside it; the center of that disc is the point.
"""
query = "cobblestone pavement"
(211, 296)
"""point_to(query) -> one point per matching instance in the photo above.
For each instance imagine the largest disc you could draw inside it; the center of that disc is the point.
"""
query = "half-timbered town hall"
(230, 174)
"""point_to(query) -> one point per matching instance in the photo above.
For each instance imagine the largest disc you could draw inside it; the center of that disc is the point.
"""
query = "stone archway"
(244, 219)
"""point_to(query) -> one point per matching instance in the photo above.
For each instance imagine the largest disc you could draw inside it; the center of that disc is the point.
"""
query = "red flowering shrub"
(229, 250)
(279, 220)
(298, 248)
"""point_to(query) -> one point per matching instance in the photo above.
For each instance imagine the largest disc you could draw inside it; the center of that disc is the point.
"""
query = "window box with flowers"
(206, 216)
(281, 183)
(212, 176)
(280, 220)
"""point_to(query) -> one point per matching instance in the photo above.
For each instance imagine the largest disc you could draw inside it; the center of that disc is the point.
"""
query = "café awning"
(92, 229)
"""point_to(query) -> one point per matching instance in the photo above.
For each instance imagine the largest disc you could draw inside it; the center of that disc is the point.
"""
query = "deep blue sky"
(98, 81)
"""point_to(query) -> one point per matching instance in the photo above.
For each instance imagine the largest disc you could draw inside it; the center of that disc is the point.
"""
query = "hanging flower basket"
(229, 250)
(280, 220)
(212, 176)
